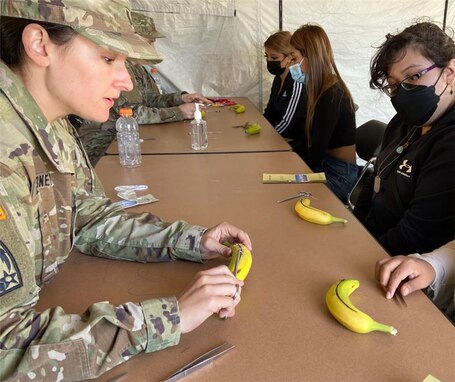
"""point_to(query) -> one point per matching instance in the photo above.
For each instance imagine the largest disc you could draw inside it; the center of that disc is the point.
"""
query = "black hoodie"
(414, 210)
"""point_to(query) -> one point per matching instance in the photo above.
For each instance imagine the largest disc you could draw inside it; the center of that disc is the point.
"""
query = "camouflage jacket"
(149, 107)
(50, 200)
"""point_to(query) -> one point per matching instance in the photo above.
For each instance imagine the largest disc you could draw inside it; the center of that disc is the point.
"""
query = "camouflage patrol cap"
(107, 23)
(145, 26)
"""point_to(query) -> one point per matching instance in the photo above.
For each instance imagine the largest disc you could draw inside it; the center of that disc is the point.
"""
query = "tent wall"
(216, 47)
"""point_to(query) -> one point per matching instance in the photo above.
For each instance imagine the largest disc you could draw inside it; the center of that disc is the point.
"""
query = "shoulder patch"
(10, 275)
(2, 214)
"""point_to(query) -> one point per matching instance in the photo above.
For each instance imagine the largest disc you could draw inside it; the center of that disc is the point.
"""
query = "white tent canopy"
(215, 47)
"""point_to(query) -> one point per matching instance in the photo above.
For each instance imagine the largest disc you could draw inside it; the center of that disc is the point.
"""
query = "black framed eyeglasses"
(391, 89)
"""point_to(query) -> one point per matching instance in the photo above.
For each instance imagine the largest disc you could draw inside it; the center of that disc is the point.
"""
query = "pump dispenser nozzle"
(197, 112)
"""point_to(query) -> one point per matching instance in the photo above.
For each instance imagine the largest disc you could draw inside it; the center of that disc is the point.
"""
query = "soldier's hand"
(391, 272)
(195, 97)
(214, 290)
(188, 110)
(211, 243)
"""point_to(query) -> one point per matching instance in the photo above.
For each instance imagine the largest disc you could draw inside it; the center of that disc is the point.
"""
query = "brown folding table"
(282, 330)
(173, 138)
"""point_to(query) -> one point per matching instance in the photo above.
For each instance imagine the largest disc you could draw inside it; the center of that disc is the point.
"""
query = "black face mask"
(416, 106)
(274, 67)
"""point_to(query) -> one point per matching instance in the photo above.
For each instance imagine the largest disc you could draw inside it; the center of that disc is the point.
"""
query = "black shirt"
(333, 125)
(414, 210)
(286, 109)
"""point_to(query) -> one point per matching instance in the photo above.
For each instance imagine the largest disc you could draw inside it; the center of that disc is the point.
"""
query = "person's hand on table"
(214, 290)
(188, 110)
(211, 246)
(392, 271)
(195, 97)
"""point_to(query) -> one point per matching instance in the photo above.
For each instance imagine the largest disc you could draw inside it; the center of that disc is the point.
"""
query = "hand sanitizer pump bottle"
(198, 132)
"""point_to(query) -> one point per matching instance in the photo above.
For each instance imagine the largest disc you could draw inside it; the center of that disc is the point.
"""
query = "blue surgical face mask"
(297, 74)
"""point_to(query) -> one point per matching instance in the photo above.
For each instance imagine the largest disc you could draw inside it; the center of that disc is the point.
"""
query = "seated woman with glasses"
(408, 204)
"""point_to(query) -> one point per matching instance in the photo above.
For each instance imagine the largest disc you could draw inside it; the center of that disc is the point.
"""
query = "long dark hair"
(314, 45)
(425, 37)
(11, 28)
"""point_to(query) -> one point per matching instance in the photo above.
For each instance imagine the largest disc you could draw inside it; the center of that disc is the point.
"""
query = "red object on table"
(223, 101)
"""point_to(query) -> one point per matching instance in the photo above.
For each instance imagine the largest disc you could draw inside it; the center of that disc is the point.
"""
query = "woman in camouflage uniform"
(68, 57)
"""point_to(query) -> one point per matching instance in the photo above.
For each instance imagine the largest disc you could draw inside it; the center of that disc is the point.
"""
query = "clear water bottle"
(198, 132)
(129, 145)
(156, 77)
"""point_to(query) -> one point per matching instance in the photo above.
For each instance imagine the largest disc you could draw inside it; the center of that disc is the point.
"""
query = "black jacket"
(414, 210)
(286, 109)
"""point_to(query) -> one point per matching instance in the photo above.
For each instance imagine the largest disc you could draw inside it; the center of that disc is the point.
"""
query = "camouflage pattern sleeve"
(96, 137)
(155, 107)
(149, 105)
(149, 115)
(145, 91)
(104, 229)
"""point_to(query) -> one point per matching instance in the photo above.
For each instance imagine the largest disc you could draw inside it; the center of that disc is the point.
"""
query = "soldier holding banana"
(68, 57)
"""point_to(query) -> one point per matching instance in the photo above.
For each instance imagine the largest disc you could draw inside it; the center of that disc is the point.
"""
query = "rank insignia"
(10, 275)
(2, 214)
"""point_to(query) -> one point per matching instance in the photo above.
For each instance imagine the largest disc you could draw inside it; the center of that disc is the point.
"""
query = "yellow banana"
(244, 262)
(314, 215)
(238, 108)
(253, 128)
(339, 304)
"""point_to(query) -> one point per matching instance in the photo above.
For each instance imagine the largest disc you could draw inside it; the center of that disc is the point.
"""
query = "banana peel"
(250, 128)
(253, 128)
(238, 108)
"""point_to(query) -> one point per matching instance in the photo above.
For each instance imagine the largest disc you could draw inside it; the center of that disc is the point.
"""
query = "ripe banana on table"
(314, 215)
(238, 108)
(241, 256)
(339, 304)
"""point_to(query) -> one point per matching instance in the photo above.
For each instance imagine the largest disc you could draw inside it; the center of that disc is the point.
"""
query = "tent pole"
(445, 15)
(280, 15)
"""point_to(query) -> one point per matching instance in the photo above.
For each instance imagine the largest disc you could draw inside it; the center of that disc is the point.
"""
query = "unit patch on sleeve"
(10, 275)
(2, 214)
